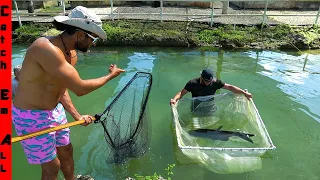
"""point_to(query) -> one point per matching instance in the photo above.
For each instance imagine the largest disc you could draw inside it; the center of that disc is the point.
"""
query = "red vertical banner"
(5, 90)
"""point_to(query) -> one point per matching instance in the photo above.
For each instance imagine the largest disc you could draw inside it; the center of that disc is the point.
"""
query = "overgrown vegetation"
(32, 29)
(143, 33)
(30, 32)
(171, 33)
(156, 176)
(51, 9)
(227, 33)
(242, 36)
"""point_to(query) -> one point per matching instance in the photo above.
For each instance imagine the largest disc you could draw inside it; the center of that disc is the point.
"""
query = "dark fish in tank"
(218, 134)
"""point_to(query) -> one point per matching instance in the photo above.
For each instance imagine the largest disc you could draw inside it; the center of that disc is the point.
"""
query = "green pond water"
(285, 88)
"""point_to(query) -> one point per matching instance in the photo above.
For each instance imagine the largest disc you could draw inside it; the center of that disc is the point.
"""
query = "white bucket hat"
(85, 19)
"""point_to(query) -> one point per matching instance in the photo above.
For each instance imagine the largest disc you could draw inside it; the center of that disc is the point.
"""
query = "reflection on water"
(137, 62)
(285, 88)
(299, 77)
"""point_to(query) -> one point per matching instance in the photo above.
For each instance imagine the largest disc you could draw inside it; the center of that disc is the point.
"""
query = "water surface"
(285, 88)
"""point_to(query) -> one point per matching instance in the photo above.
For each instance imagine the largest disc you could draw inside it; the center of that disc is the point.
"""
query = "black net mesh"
(126, 120)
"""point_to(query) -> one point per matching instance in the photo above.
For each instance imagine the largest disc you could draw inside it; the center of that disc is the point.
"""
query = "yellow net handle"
(48, 130)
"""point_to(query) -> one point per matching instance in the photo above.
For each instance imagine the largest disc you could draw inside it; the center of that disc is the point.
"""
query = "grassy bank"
(186, 34)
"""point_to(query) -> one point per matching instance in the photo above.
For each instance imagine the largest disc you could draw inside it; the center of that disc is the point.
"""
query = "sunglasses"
(94, 39)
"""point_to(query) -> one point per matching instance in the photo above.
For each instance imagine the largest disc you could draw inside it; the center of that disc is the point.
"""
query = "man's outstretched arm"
(236, 89)
(53, 62)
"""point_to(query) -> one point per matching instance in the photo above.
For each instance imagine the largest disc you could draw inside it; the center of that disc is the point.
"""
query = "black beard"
(82, 49)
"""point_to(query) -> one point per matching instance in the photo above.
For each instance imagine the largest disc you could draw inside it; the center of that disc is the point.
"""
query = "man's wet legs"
(50, 170)
(65, 155)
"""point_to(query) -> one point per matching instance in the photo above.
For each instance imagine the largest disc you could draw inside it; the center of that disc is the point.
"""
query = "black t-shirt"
(197, 89)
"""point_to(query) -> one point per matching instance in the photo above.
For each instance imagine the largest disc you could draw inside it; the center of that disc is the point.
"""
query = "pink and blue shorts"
(41, 149)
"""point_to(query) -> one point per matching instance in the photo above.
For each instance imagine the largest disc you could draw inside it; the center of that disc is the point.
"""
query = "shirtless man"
(46, 75)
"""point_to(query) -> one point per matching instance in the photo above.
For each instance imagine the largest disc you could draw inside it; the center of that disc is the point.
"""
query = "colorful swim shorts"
(41, 149)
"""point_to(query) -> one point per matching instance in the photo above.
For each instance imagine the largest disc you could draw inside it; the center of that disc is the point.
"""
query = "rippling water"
(285, 88)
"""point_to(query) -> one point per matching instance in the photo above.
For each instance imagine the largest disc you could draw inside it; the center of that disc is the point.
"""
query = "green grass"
(52, 9)
(32, 29)
(30, 32)
(243, 35)
(155, 33)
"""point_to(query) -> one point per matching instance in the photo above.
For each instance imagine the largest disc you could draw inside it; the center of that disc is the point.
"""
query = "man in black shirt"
(206, 85)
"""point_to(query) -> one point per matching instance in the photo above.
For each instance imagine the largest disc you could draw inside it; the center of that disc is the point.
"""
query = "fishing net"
(126, 120)
(224, 132)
